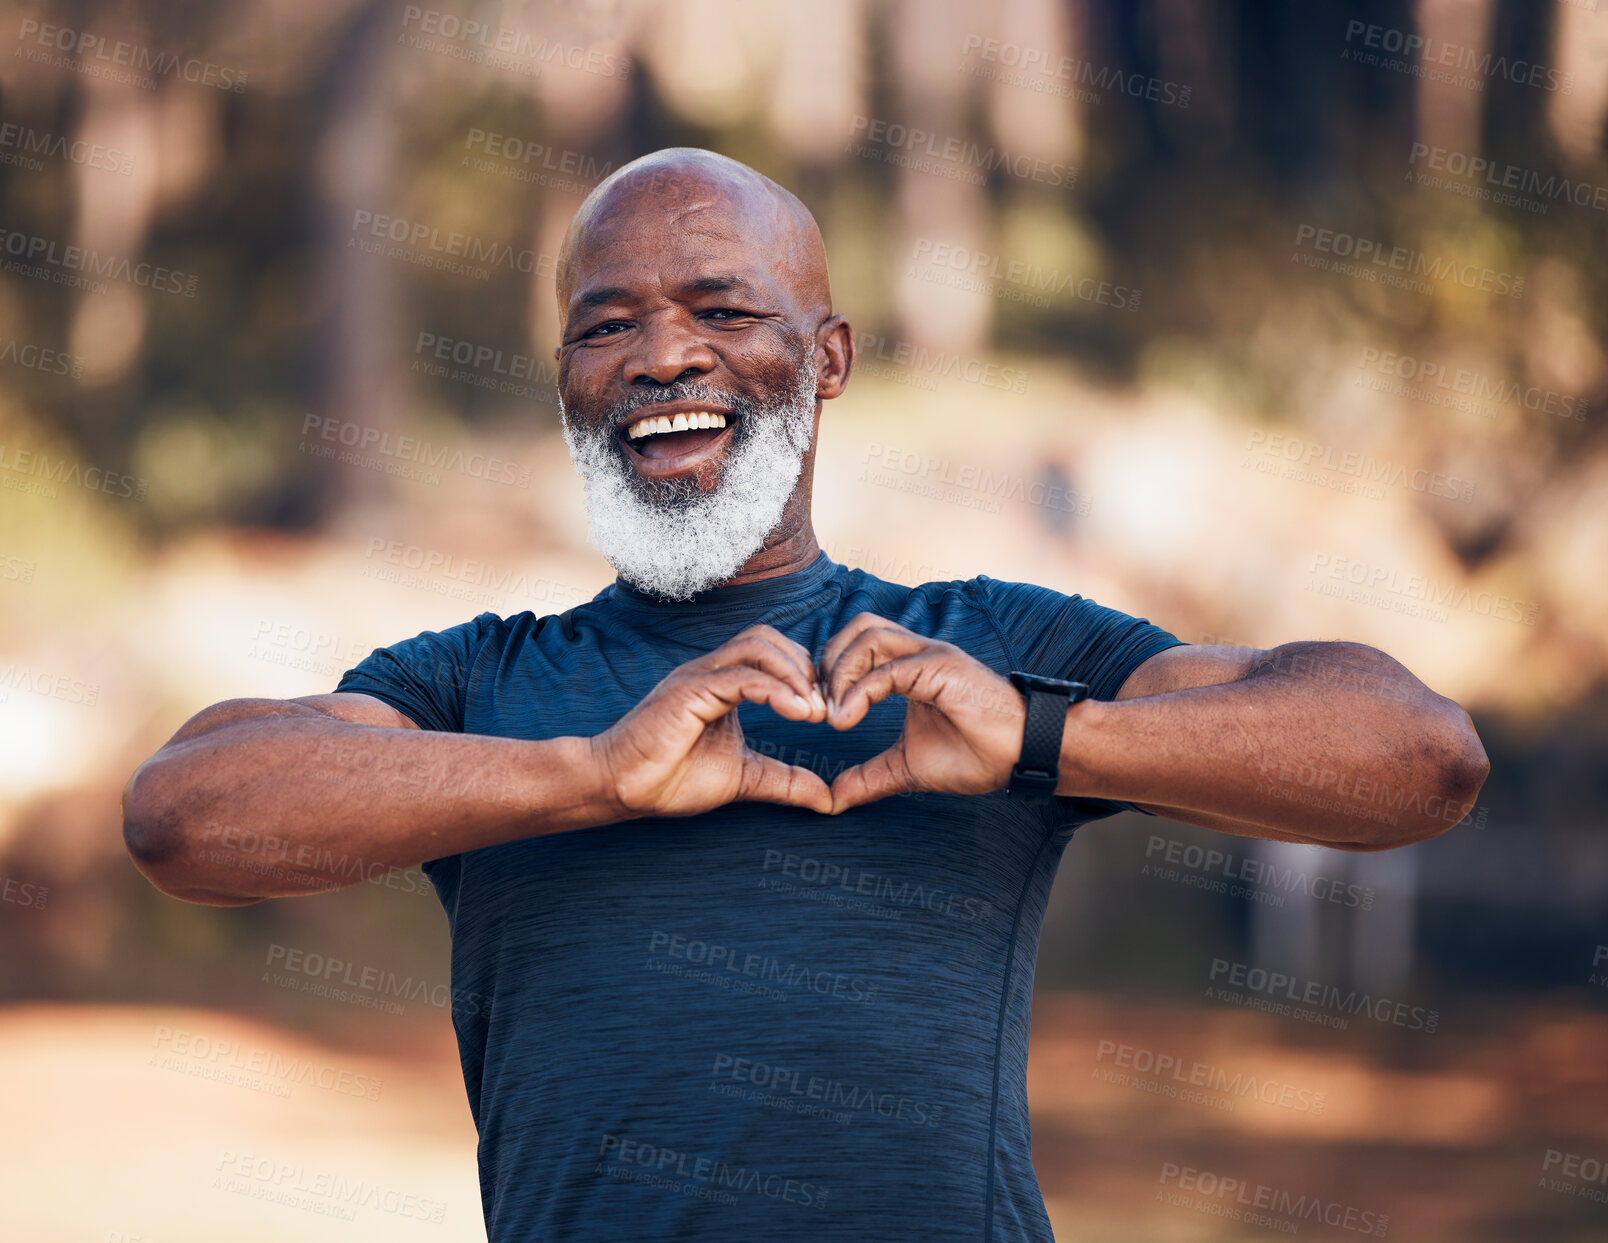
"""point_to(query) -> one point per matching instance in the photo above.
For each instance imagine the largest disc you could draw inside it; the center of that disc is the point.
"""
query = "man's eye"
(726, 314)
(602, 329)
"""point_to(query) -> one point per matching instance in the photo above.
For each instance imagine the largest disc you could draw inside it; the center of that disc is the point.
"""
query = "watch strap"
(1038, 770)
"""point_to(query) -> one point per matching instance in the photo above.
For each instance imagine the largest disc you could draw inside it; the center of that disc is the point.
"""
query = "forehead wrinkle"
(687, 270)
(679, 215)
(684, 191)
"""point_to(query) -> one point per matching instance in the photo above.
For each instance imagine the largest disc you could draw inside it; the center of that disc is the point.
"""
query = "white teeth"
(654, 424)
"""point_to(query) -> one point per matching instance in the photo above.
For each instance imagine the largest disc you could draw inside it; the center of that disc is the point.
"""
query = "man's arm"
(1333, 744)
(1329, 743)
(260, 798)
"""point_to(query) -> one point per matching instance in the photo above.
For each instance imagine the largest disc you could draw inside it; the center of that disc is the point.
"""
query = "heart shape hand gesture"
(681, 750)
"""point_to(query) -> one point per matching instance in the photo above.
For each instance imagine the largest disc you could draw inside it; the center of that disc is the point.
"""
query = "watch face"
(1055, 686)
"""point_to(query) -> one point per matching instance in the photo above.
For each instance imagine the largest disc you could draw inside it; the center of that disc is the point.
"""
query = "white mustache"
(681, 390)
(712, 534)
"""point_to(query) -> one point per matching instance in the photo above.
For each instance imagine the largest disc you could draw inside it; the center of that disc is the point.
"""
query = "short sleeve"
(424, 677)
(1069, 637)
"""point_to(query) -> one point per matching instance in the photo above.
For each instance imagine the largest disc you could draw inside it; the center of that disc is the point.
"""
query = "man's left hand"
(963, 726)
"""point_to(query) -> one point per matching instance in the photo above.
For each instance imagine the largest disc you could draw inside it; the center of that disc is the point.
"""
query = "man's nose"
(667, 351)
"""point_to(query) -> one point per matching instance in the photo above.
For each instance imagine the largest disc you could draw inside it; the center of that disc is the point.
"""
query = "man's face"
(677, 317)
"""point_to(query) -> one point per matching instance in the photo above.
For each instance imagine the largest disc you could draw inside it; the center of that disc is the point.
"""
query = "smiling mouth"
(664, 437)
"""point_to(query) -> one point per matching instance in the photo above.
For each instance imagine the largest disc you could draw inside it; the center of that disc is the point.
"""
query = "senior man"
(745, 859)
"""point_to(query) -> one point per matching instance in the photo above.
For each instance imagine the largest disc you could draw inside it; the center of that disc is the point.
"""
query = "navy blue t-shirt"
(761, 1022)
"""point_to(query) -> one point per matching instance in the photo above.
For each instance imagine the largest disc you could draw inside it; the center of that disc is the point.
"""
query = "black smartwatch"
(1038, 771)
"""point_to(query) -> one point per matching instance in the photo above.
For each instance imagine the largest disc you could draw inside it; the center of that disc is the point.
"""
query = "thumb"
(880, 776)
(768, 780)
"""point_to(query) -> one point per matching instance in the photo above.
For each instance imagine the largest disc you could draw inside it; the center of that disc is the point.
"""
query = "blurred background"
(1265, 321)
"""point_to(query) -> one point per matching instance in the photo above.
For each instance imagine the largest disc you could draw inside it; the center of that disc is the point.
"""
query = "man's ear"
(834, 357)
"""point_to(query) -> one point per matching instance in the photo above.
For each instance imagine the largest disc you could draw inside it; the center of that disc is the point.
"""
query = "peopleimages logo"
(227, 1061)
(503, 47)
(1361, 473)
(407, 450)
(76, 267)
(1473, 385)
(879, 886)
(318, 1191)
(1477, 176)
(977, 271)
(485, 366)
(1366, 578)
(1422, 55)
(1262, 983)
(40, 358)
(1575, 1175)
(518, 158)
(251, 850)
(1262, 1205)
(14, 676)
(1374, 260)
(712, 1178)
(23, 893)
(741, 963)
(1192, 1081)
(1213, 862)
(462, 578)
(932, 364)
(964, 159)
(1038, 68)
(20, 144)
(38, 463)
(974, 486)
(796, 1092)
(118, 60)
(338, 978)
(425, 244)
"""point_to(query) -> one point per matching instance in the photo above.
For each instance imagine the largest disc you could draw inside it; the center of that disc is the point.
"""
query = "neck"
(794, 551)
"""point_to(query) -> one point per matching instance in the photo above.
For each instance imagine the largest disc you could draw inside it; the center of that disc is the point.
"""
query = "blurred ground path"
(143, 1124)
(1443, 1137)
(165, 1125)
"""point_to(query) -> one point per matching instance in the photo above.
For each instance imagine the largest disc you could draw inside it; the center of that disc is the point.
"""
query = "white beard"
(675, 542)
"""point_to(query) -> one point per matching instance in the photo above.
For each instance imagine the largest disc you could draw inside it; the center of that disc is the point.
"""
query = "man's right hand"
(681, 750)
(253, 798)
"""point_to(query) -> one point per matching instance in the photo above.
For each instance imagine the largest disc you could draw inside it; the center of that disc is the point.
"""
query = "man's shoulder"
(529, 622)
(980, 590)
(961, 610)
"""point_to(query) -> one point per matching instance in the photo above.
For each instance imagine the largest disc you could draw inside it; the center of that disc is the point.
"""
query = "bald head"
(700, 206)
(698, 344)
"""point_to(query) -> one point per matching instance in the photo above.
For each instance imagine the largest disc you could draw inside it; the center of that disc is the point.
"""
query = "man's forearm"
(1329, 742)
(293, 804)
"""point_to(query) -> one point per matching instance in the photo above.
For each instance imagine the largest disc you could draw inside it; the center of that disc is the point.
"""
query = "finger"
(871, 647)
(800, 655)
(713, 695)
(769, 780)
(790, 647)
(762, 633)
(911, 676)
(782, 660)
(835, 645)
(878, 777)
(759, 653)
